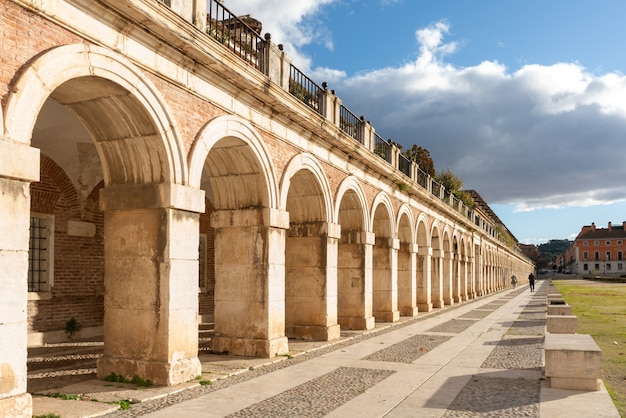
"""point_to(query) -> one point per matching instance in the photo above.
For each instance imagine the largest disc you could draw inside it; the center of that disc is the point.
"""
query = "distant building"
(598, 251)
(529, 250)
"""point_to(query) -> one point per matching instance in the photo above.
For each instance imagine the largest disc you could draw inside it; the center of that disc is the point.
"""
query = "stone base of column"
(250, 347)
(409, 311)
(160, 373)
(425, 307)
(357, 323)
(458, 299)
(387, 316)
(438, 303)
(313, 332)
(18, 406)
(448, 301)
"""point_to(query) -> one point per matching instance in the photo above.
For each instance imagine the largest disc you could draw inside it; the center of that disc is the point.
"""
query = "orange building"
(598, 251)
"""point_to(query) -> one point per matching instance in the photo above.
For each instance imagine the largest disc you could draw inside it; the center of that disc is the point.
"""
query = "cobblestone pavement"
(505, 383)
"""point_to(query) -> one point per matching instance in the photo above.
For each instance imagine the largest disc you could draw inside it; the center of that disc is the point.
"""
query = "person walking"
(514, 281)
(531, 281)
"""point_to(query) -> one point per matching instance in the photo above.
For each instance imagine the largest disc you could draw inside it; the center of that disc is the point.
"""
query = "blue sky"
(525, 101)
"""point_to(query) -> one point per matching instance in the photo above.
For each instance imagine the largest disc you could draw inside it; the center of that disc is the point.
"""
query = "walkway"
(482, 358)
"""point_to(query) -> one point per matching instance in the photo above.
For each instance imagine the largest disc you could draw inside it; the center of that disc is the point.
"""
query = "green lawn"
(601, 310)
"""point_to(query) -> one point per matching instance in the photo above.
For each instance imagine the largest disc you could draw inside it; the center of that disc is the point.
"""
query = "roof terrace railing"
(404, 165)
(382, 148)
(236, 35)
(232, 32)
(305, 89)
(350, 124)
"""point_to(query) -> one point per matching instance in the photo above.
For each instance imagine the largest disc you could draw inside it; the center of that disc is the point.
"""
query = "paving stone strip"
(409, 350)
(453, 326)
(476, 314)
(319, 396)
(535, 327)
(516, 353)
(485, 396)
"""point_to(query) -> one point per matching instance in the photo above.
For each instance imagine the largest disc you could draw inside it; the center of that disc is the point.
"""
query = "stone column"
(447, 277)
(355, 286)
(151, 282)
(437, 279)
(407, 285)
(456, 279)
(250, 282)
(465, 279)
(385, 280)
(19, 166)
(311, 281)
(424, 283)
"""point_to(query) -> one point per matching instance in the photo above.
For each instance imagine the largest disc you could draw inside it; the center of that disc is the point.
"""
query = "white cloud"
(543, 136)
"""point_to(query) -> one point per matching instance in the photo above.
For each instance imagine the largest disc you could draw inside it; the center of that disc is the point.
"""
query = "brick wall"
(78, 287)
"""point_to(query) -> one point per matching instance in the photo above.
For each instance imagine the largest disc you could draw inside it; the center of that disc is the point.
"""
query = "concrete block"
(562, 324)
(559, 310)
(573, 361)
(556, 301)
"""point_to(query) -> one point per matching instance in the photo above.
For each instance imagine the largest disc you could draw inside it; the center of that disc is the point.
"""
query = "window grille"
(40, 248)
(202, 248)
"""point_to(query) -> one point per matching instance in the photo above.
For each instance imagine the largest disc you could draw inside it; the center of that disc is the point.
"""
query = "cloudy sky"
(524, 101)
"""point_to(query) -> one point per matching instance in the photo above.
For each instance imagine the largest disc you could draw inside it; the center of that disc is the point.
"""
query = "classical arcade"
(152, 179)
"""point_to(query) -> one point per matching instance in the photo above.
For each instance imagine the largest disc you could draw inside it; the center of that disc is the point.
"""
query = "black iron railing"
(404, 165)
(422, 178)
(350, 124)
(382, 148)
(305, 89)
(234, 33)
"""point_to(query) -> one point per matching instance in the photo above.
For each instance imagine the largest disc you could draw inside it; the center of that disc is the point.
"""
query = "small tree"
(454, 185)
(422, 157)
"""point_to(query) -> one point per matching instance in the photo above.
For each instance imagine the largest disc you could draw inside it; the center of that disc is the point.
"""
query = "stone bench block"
(562, 324)
(559, 310)
(556, 300)
(573, 362)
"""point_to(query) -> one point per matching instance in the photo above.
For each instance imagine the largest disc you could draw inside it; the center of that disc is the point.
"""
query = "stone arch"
(308, 162)
(384, 260)
(310, 251)
(352, 185)
(354, 257)
(436, 271)
(229, 144)
(231, 164)
(114, 100)
(406, 264)
(142, 162)
(447, 266)
(422, 231)
(382, 200)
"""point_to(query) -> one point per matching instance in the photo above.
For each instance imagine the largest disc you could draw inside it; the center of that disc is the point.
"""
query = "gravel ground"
(317, 397)
(408, 350)
(453, 326)
(486, 396)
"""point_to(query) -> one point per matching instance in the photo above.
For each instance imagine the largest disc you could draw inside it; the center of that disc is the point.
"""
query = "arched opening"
(354, 292)
(436, 272)
(407, 294)
(447, 269)
(423, 268)
(106, 275)
(310, 275)
(245, 241)
(384, 261)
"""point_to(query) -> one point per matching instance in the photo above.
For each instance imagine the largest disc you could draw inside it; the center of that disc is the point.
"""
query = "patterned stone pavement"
(481, 358)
